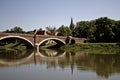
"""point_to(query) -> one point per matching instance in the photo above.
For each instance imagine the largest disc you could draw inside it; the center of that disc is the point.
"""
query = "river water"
(58, 65)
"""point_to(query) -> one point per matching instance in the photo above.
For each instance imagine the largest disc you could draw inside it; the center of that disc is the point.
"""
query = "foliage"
(100, 30)
(72, 27)
(116, 31)
(64, 31)
(30, 32)
(93, 47)
(104, 32)
(15, 30)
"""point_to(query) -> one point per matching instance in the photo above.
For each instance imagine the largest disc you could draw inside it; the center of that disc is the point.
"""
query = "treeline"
(99, 30)
(17, 29)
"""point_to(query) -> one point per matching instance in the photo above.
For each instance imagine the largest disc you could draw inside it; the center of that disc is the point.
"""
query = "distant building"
(44, 32)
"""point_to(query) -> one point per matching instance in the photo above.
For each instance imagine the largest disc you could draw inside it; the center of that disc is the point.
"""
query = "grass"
(101, 48)
(91, 48)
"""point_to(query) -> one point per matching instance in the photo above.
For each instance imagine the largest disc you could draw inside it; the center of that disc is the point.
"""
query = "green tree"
(15, 30)
(69, 33)
(30, 32)
(86, 29)
(82, 29)
(64, 31)
(72, 27)
(117, 31)
(91, 31)
(104, 30)
(6, 31)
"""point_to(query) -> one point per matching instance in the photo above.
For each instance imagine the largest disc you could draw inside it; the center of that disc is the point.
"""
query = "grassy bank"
(103, 48)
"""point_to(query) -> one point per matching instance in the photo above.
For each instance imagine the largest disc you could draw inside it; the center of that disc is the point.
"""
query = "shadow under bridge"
(52, 43)
(16, 40)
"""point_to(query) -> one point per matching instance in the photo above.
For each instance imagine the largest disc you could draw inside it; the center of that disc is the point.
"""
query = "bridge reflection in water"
(103, 65)
(15, 57)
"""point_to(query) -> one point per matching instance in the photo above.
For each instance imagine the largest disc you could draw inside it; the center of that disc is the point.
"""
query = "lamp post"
(35, 37)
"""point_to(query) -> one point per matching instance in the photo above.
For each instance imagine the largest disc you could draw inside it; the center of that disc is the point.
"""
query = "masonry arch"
(57, 40)
(27, 42)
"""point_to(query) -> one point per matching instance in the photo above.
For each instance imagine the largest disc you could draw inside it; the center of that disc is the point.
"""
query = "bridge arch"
(28, 43)
(59, 41)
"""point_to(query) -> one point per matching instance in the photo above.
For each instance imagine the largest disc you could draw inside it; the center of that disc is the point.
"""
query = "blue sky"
(35, 14)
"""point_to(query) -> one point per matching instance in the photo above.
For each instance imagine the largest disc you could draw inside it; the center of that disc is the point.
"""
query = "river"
(58, 65)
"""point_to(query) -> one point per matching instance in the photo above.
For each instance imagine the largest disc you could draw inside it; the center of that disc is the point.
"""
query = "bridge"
(31, 40)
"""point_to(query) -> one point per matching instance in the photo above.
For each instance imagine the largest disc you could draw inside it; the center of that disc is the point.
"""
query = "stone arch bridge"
(31, 40)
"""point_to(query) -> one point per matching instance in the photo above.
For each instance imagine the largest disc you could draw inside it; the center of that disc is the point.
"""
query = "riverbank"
(90, 48)
(93, 48)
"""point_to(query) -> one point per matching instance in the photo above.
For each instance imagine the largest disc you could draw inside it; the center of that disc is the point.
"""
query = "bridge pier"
(70, 40)
(36, 49)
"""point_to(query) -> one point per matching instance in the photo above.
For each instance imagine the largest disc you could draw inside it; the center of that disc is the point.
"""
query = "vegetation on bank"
(101, 48)
(90, 48)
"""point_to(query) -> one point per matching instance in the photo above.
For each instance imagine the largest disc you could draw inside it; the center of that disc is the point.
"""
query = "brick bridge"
(31, 40)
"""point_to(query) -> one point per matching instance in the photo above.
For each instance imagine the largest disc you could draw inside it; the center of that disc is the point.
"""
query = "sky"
(36, 14)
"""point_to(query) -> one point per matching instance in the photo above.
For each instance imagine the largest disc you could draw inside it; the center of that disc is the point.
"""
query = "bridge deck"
(40, 38)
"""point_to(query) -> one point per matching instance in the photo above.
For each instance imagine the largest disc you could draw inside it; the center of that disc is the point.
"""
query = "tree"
(72, 27)
(117, 31)
(82, 29)
(30, 32)
(64, 31)
(6, 31)
(69, 33)
(104, 30)
(91, 31)
(15, 30)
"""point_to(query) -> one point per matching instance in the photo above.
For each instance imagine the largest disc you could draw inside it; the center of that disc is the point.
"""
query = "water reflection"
(104, 65)
(13, 57)
(52, 52)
